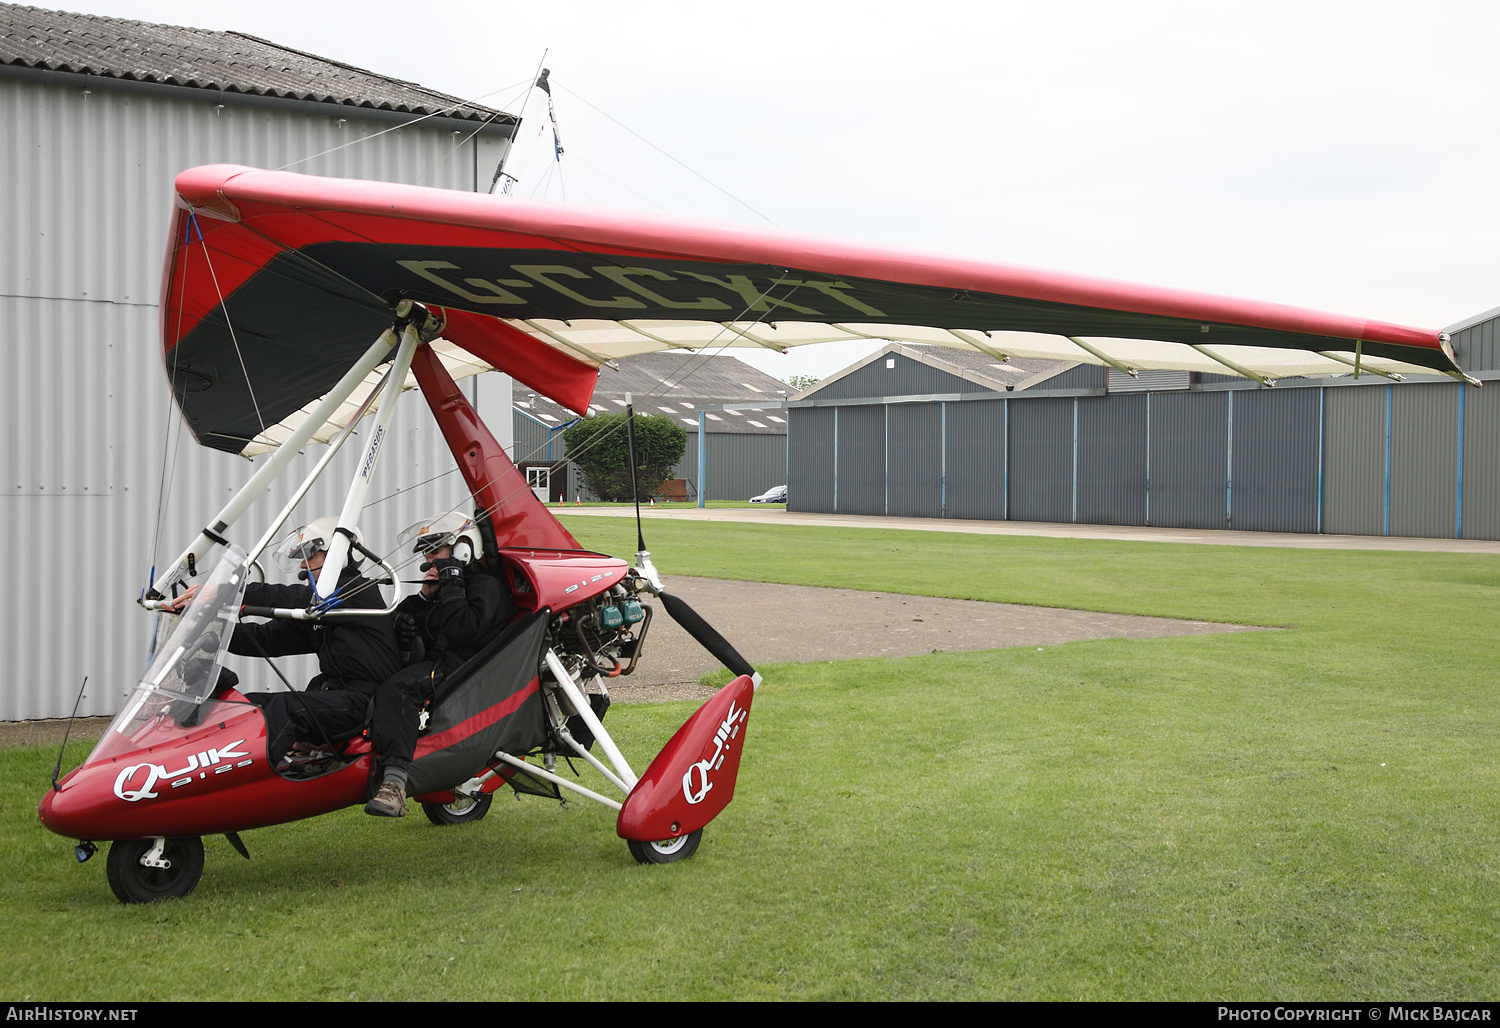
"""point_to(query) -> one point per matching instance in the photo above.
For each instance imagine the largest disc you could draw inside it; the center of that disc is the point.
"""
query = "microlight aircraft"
(293, 306)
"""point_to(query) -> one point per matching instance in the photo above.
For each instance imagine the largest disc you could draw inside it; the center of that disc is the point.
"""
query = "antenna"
(56, 770)
(540, 80)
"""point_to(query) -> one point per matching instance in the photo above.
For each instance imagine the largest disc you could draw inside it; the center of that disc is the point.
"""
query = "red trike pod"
(692, 778)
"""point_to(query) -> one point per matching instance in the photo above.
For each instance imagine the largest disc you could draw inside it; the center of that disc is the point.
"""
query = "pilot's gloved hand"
(406, 630)
(449, 570)
(409, 645)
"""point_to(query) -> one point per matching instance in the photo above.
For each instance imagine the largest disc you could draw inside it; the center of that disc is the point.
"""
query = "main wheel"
(667, 850)
(461, 811)
(134, 882)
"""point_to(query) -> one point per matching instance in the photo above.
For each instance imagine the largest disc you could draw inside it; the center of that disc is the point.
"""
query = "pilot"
(354, 654)
(461, 607)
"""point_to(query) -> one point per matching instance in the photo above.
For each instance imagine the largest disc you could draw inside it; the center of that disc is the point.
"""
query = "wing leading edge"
(276, 282)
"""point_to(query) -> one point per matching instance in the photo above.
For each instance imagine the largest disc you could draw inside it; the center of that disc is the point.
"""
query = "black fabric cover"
(493, 702)
(533, 785)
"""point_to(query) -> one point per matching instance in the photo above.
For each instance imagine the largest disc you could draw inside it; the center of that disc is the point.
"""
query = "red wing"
(276, 282)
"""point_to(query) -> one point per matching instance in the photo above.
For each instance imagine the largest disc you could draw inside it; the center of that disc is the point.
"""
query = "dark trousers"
(398, 704)
(313, 716)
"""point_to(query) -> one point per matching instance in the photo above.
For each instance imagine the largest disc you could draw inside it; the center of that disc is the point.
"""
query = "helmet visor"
(298, 546)
(432, 541)
(433, 533)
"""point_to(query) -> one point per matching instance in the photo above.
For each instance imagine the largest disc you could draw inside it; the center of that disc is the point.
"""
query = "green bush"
(598, 446)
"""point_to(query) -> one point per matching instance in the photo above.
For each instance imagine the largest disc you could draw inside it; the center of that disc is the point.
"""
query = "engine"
(604, 633)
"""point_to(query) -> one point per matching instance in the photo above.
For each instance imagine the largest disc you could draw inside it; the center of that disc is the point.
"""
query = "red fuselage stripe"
(477, 723)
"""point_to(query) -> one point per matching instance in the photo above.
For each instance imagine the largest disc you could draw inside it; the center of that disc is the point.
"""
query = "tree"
(598, 446)
(802, 382)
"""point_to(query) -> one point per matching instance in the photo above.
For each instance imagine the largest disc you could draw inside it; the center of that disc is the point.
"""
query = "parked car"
(775, 495)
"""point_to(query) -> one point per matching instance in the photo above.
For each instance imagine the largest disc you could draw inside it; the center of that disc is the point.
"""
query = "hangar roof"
(969, 369)
(675, 383)
(233, 62)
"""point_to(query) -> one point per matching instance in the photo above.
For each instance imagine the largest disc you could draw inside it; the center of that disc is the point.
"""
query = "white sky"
(1341, 156)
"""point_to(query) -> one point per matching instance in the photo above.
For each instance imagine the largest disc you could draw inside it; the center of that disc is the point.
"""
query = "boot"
(390, 801)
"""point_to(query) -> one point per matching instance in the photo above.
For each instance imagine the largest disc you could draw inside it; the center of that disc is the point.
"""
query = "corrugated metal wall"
(861, 466)
(1424, 460)
(84, 408)
(1112, 460)
(975, 464)
(739, 465)
(1274, 474)
(1147, 381)
(1478, 346)
(812, 459)
(1481, 471)
(915, 456)
(531, 439)
(1354, 460)
(1079, 376)
(1041, 460)
(1367, 458)
(1189, 459)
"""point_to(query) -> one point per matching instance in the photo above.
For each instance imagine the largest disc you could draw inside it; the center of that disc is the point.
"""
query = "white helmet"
(314, 537)
(448, 529)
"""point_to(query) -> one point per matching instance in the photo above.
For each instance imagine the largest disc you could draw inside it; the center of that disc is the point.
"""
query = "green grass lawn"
(1302, 814)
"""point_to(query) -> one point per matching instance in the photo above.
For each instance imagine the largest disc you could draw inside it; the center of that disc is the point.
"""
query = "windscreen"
(178, 688)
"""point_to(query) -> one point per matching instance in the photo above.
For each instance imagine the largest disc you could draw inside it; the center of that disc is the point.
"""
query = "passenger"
(354, 654)
(459, 610)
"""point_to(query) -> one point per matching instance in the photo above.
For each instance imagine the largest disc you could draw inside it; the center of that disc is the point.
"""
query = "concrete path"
(777, 516)
(771, 623)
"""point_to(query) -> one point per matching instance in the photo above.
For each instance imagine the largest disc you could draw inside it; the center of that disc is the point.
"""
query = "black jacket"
(353, 653)
(457, 622)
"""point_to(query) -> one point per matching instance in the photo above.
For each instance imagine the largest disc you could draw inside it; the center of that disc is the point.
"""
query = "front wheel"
(461, 811)
(134, 882)
(666, 851)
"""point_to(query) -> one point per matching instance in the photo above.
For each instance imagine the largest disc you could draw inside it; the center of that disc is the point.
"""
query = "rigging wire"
(578, 181)
(698, 355)
(545, 185)
(603, 174)
(171, 441)
(669, 157)
(396, 128)
(193, 218)
(454, 149)
(695, 363)
(441, 474)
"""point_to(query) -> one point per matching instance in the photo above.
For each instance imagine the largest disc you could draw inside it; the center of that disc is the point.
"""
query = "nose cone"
(73, 809)
(44, 808)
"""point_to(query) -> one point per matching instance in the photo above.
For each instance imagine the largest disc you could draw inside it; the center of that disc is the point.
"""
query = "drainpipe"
(702, 453)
